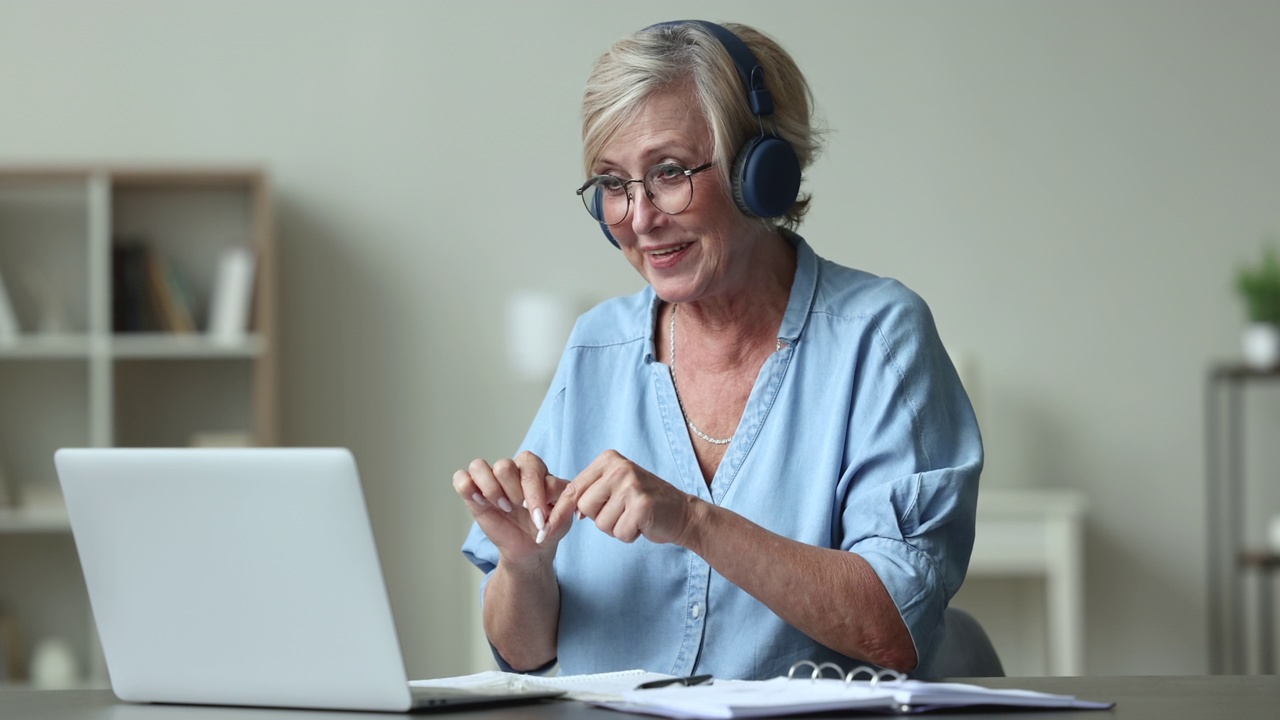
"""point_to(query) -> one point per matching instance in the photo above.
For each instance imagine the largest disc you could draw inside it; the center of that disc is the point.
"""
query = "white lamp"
(538, 324)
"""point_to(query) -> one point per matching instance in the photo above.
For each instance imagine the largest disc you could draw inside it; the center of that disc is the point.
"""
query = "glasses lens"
(606, 199)
(670, 187)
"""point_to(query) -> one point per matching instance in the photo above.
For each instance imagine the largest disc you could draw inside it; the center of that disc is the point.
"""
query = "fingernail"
(524, 504)
(538, 521)
(505, 504)
(542, 535)
(478, 498)
(577, 515)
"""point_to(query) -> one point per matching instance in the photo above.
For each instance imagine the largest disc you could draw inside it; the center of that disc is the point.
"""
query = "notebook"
(863, 689)
(241, 576)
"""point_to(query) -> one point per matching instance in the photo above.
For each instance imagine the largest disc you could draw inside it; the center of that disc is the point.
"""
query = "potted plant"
(1259, 285)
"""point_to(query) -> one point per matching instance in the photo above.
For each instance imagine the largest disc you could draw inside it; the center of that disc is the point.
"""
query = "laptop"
(241, 576)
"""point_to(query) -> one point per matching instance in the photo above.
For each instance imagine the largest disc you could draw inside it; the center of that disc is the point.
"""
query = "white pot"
(1261, 345)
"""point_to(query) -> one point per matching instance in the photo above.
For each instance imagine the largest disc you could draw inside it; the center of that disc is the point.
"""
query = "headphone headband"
(749, 69)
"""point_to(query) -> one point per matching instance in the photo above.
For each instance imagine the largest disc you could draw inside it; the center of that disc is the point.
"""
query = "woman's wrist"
(699, 515)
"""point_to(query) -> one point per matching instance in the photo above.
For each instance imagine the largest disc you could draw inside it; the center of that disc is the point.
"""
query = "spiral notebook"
(801, 691)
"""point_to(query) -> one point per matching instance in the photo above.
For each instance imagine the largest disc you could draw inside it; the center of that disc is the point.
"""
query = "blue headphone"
(766, 171)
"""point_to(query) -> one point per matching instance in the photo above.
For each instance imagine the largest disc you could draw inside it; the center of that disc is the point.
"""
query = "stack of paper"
(598, 687)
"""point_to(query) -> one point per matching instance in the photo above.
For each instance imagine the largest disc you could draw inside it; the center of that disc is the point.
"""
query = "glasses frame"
(688, 174)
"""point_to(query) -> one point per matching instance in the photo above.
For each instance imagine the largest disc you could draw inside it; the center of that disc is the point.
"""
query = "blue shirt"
(857, 435)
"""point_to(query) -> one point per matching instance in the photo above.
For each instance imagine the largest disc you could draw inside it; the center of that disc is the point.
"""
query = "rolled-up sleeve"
(915, 454)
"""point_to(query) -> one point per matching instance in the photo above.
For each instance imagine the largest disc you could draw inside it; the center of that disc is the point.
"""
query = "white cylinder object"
(1261, 345)
(538, 324)
(53, 665)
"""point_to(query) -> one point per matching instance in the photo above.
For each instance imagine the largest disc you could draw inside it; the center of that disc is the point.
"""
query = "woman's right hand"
(511, 500)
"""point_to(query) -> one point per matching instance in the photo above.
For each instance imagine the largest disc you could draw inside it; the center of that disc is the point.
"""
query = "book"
(884, 691)
(133, 305)
(232, 298)
(9, 327)
(148, 293)
(171, 308)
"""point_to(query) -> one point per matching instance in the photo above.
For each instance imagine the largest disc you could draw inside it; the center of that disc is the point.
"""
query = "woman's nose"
(644, 214)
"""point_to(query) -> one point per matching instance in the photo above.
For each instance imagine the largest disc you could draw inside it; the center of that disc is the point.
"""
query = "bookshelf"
(76, 375)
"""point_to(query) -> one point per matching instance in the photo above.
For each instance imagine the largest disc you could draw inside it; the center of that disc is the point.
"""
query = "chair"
(965, 650)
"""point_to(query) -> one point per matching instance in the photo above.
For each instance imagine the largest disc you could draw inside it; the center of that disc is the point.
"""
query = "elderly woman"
(760, 458)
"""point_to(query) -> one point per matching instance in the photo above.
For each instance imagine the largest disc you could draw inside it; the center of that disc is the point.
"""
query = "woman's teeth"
(660, 253)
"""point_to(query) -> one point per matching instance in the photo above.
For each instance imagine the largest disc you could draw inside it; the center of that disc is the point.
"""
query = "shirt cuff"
(916, 589)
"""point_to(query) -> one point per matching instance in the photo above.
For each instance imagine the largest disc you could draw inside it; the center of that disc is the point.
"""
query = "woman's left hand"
(625, 501)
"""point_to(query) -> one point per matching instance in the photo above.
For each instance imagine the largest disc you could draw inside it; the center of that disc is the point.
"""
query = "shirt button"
(697, 611)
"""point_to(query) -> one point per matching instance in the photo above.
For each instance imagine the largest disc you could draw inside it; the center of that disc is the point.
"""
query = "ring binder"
(885, 691)
(875, 675)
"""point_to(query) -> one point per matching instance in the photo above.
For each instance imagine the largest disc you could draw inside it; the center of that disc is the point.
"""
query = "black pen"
(691, 680)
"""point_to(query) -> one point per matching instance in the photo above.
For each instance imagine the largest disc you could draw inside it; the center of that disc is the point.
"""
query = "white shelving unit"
(69, 379)
(1032, 534)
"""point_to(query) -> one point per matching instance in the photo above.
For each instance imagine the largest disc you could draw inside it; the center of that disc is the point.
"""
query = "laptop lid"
(243, 576)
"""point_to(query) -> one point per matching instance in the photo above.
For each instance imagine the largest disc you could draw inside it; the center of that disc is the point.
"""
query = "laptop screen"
(242, 576)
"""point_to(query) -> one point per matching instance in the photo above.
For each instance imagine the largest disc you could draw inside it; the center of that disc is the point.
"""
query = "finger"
(508, 475)
(627, 518)
(470, 493)
(555, 486)
(620, 514)
(533, 486)
(606, 516)
(604, 479)
(490, 489)
(561, 515)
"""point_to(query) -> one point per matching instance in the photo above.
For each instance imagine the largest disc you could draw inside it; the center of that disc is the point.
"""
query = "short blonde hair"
(666, 57)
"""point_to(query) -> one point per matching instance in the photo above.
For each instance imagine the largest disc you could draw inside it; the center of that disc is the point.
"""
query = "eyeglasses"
(667, 185)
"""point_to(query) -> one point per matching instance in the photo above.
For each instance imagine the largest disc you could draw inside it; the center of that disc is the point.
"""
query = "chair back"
(965, 651)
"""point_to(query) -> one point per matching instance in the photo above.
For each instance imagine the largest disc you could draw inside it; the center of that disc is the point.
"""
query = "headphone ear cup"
(766, 177)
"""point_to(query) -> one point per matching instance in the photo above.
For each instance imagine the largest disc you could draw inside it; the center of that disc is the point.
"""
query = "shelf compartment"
(163, 402)
(189, 226)
(43, 406)
(43, 256)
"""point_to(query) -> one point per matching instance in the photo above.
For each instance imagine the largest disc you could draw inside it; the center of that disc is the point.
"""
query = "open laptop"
(241, 576)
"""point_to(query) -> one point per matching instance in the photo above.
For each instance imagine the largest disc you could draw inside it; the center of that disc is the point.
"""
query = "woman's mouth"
(668, 251)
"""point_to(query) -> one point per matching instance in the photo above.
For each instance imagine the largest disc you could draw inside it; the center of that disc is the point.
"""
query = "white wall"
(1070, 185)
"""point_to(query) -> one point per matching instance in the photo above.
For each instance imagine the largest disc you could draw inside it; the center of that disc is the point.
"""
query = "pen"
(691, 680)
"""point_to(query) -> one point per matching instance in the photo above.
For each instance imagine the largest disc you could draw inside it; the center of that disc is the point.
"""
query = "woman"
(772, 455)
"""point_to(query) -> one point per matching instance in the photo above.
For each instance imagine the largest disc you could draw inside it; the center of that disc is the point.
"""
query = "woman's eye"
(668, 172)
(610, 184)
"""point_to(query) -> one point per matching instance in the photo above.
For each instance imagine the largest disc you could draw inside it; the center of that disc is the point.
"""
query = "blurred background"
(1070, 186)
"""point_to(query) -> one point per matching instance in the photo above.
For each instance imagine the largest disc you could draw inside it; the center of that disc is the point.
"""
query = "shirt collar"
(804, 288)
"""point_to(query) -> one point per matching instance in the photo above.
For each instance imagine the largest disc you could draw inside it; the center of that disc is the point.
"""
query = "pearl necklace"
(694, 428)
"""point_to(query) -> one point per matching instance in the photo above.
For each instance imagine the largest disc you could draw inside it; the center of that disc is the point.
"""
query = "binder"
(810, 687)
(232, 301)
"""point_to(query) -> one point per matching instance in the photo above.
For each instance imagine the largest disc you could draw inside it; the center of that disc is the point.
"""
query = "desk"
(1038, 533)
(1239, 697)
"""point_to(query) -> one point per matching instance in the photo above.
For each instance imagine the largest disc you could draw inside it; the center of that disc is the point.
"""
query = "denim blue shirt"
(857, 435)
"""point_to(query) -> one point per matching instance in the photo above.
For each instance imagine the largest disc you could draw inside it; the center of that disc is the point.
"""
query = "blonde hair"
(668, 57)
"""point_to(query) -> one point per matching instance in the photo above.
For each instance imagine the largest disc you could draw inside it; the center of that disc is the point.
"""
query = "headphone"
(766, 171)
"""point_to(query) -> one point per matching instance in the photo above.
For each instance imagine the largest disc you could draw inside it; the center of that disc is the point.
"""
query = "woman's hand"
(625, 501)
(511, 500)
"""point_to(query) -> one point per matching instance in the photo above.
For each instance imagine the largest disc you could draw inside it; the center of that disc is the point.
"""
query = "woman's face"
(689, 256)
